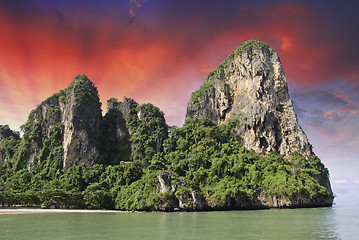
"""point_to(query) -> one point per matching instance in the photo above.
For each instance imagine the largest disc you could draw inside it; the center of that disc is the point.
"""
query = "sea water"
(338, 222)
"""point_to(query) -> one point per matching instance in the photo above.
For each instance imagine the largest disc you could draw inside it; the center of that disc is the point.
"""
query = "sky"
(160, 51)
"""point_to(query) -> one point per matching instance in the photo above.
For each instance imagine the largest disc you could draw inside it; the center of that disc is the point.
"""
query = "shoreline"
(24, 210)
(28, 210)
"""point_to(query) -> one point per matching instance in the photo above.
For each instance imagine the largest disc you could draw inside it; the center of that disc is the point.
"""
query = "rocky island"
(241, 147)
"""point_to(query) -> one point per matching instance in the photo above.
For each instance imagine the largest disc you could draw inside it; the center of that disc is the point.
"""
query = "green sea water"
(316, 223)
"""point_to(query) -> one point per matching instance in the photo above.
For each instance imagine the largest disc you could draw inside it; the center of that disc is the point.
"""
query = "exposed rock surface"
(250, 86)
(184, 198)
(82, 120)
(73, 118)
(130, 127)
(116, 133)
(297, 201)
(68, 129)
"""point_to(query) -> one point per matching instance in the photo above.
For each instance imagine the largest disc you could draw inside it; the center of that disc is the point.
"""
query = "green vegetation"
(9, 141)
(146, 124)
(222, 68)
(43, 131)
(197, 96)
(244, 47)
(201, 158)
(48, 145)
(85, 91)
(6, 132)
(252, 44)
(207, 157)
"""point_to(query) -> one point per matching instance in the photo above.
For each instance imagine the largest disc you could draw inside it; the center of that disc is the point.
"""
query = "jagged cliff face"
(133, 131)
(66, 127)
(41, 124)
(82, 120)
(250, 86)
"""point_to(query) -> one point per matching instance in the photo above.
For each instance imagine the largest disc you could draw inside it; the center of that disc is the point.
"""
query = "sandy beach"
(20, 210)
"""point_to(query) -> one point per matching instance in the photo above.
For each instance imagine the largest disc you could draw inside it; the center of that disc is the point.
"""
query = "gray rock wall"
(77, 112)
(253, 89)
(82, 120)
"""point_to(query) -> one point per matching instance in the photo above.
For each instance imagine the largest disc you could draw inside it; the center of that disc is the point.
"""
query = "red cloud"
(352, 111)
(340, 111)
(329, 113)
(162, 63)
(345, 98)
(40, 58)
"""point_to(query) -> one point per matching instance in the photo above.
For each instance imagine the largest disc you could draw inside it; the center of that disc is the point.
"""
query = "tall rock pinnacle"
(82, 119)
(250, 86)
(64, 130)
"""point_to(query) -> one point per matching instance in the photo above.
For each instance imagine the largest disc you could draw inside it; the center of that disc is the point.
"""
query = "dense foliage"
(142, 131)
(207, 157)
(204, 162)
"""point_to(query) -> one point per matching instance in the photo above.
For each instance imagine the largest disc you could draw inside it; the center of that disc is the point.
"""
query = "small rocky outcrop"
(250, 86)
(181, 198)
(296, 201)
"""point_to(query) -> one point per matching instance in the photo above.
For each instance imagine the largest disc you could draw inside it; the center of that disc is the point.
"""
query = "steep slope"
(250, 86)
(133, 132)
(64, 130)
(82, 120)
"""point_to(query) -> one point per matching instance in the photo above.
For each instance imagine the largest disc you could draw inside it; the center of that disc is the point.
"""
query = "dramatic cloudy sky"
(160, 51)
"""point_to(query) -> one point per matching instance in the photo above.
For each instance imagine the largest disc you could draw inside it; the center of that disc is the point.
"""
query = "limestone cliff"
(82, 119)
(68, 129)
(133, 131)
(250, 85)
(64, 130)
